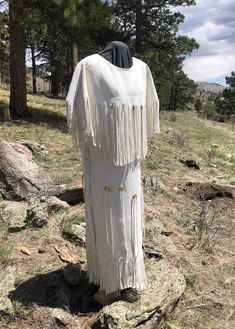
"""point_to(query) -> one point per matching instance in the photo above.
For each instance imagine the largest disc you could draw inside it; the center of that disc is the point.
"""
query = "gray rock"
(13, 214)
(71, 193)
(157, 244)
(35, 147)
(62, 316)
(21, 177)
(164, 288)
(54, 204)
(153, 184)
(7, 280)
(19, 173)
(37, 214)
(77, 232)
(6, 307)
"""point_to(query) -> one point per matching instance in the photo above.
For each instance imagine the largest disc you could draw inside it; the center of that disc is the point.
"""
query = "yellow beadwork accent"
(134, 196)
(121, 188)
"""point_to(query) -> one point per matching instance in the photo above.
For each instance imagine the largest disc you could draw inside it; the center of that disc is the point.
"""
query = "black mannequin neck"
(117, 53)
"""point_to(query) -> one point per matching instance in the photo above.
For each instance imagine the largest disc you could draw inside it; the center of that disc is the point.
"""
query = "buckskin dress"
(111, 112)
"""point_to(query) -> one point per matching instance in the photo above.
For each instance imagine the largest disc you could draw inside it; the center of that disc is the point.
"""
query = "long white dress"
(111, 112)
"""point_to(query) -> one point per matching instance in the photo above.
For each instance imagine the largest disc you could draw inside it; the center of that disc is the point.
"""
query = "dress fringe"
(119, 130)
(116, 271)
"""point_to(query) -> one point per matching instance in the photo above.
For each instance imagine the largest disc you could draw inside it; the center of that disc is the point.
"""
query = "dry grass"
(203, 232)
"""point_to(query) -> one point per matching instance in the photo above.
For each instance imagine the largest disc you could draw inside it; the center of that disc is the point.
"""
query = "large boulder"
(21, 177)
(165, 285)
(19, 173)
(13, 214)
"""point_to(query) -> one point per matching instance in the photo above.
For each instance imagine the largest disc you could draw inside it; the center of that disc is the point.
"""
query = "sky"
(212, 24)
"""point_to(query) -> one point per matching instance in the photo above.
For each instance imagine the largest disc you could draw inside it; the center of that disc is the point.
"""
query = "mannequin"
(117, 53)
(112, 109)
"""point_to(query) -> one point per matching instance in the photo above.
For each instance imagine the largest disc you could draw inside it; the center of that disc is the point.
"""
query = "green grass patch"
(5, 255)
(75, 221)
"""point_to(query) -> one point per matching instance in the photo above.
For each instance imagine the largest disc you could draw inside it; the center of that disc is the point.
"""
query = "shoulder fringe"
(121, 131)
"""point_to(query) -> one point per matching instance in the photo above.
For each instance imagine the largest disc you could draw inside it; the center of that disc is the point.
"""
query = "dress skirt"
(114, 222)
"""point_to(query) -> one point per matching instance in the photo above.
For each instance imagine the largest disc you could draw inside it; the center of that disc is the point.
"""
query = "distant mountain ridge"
(213, 88)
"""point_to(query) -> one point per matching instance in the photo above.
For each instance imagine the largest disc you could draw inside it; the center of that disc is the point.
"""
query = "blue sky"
(212, 24)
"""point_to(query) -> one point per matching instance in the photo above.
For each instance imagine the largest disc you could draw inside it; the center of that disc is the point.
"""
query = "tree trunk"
(55, 82)
(18, 98)
(34, 72)
(138, 27)
(75, 55)
(55, 71)
(4, 113)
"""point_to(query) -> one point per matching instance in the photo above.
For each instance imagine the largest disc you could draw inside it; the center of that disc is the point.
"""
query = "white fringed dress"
(111, 112)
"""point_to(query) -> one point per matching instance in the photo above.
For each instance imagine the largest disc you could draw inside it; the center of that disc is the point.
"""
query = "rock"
(165, 287)
(7, 280)
(77, 233)
(153, 184)
(14, 214)
(68, 254)
(19, 173)
(6, 307)
(71, 193)
(34, 147)
(21, 177)
(170, 326)
(72, 273)
(37, 215)
(41, 250)
(190, 163)
(54, 204)
(61, 316)
(104, 299)
(25, 250)
(157, 244)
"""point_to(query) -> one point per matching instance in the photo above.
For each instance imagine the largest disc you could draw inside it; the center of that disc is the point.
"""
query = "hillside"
(192, 201)
(212, 88)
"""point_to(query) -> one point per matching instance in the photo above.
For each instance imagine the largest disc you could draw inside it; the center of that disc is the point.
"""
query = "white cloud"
(211, 23)
(209, 67)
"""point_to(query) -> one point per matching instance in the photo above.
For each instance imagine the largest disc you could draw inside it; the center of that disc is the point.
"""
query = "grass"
(206, 134)
(35, 270)
(20, 310)
(5, 255)
(208, 274)
(67, 226)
